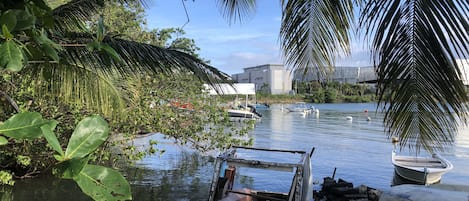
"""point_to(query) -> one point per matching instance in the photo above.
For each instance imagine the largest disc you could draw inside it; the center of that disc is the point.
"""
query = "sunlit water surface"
(359, 149)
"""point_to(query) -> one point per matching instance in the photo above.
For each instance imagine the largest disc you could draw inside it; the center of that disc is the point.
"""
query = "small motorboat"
(232, 166)
(242, 112)
(301, 107)
(422, 170)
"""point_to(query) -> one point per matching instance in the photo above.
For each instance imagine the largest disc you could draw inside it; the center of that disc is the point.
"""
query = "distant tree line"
(335, 92)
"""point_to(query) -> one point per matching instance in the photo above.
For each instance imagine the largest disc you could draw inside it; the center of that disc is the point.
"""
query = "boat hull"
(418, 176)
(423, 170)
(242, 114)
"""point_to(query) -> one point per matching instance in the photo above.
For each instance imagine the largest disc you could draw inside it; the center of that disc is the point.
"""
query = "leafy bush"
(330, 95)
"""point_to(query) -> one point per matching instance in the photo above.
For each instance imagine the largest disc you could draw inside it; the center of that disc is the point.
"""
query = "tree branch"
(10, 100)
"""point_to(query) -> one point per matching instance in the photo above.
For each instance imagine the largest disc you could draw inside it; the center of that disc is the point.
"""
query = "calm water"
(358, 149)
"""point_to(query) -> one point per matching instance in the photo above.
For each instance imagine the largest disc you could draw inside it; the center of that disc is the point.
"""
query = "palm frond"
(81, 68)
(236, 10)
(138, 58)
(415, 47)
(78, 85)
(313, 32)
(72, 15)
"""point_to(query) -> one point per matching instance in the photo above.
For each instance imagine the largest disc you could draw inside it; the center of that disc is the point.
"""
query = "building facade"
(339, 74)
(269, 78)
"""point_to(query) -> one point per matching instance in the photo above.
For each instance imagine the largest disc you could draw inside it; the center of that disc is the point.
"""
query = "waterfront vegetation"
(328, 92)
(69, 82)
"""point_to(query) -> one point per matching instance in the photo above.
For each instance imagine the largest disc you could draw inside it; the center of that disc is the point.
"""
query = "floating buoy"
(349, 118)
(368, 118)
(366, 110)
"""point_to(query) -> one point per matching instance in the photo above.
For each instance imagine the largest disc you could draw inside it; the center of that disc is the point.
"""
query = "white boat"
(423, 170)
(244, 113)
(301, 107)
(238, 111)
(230, 167)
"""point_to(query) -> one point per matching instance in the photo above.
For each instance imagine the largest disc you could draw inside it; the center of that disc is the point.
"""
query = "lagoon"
(359, 149)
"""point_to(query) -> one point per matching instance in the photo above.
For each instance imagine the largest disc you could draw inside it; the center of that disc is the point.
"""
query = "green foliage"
(23, 160)
(89, 134)
(278, 98)
(318, 96)
(103, 183)
(53, 57)
(26, 125)
(12, 56)
(336, 92)
(179, 108)
(358, 99)
(3, 141)
(52, 139)
(330, 95)
(6, 178)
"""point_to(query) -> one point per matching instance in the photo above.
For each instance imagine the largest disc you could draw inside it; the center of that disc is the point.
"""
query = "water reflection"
(187, 180)
(44, 188)
(187, 177)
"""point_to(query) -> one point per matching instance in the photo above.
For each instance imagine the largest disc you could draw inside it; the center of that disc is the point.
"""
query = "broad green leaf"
(71, 168)
(24, 20)
(49, 47)
(24, 125)
(48, 20)
(101, 183)
(3, 141)
(8, 19)
(11, 56)
(111, 52)
(89, 134)
(51, 52)
(49, 134)
(41, 4)
(6, 33)
(93, 46)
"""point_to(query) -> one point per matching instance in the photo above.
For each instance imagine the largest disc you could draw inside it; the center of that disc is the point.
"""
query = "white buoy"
(368, 118)
(349, 118)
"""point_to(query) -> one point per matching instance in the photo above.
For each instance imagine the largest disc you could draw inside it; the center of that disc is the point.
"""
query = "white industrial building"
(276, 79)
(270, 78)
(340, 74)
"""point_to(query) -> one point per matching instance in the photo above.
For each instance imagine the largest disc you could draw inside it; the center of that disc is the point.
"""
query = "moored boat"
(301, 107)
(230, 166)
(423, 170)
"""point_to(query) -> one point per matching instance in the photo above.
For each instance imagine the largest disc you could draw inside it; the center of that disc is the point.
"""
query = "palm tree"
(66, 58)
(415, 46)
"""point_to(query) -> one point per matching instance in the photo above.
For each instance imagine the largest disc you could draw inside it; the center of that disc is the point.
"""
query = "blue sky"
(230, 48)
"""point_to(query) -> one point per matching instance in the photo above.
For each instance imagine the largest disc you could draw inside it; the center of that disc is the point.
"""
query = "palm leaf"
(72, 15)
(415, 46)
(87, 76)
(314, 32)
(78, 85)
(236, 10)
